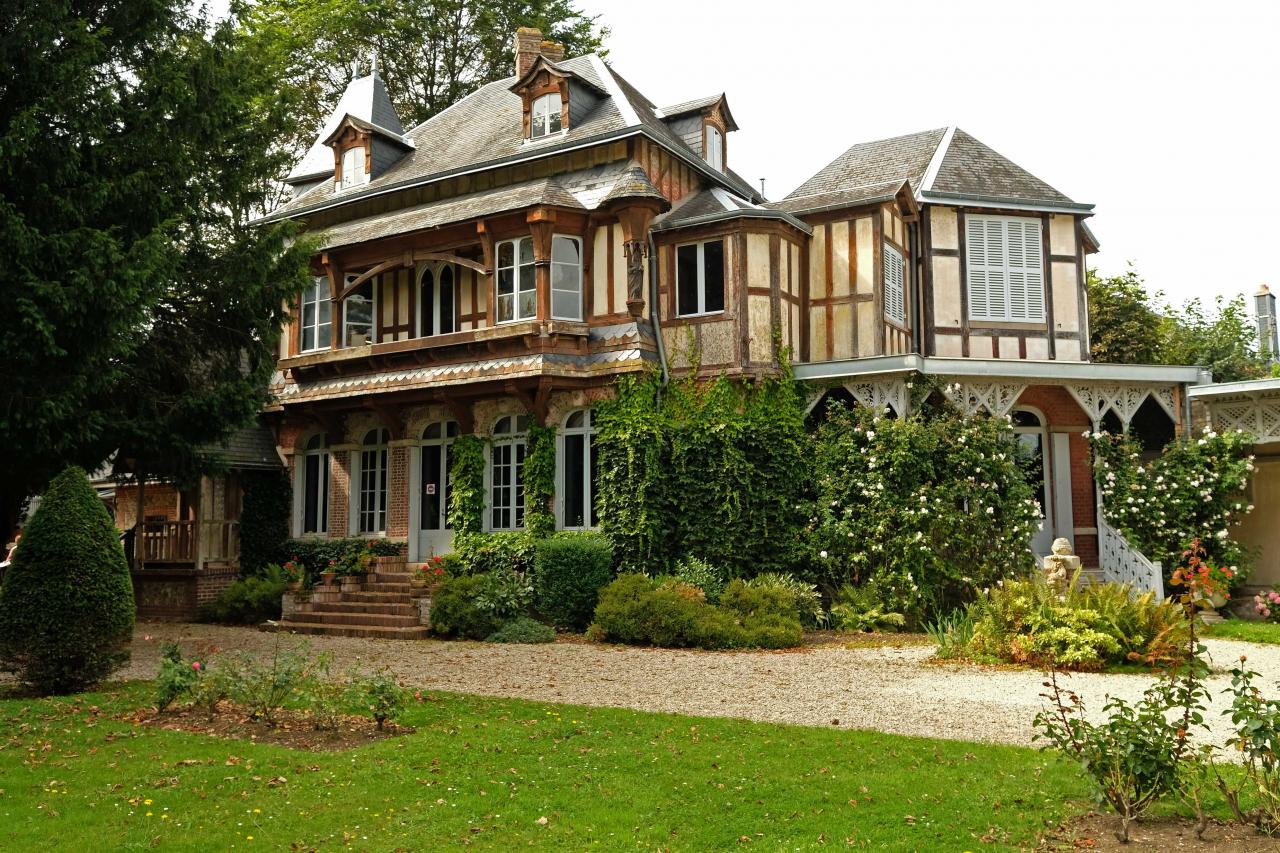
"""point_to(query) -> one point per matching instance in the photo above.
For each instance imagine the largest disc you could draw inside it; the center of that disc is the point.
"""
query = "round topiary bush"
(568, 573)
(66, 607)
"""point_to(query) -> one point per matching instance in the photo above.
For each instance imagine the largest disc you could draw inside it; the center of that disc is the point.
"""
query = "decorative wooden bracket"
(408, 260)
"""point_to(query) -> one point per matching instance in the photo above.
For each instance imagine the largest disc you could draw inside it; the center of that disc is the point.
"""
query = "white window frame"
(443, 445)
(321, 331)
(715, 147)
(505, 451)
(895, 284)
(436, 271)
(301, 458)
(702, 272)
(992, 281)
(373, 312)
(373, 498)
(353, 168)
(588, 431)
(541, 106)
(577, 290)
(515, 270)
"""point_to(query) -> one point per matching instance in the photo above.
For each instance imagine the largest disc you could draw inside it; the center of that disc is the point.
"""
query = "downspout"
(653, 310)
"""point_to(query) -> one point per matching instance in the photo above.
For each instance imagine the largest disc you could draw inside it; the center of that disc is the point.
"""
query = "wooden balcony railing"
(192, 543)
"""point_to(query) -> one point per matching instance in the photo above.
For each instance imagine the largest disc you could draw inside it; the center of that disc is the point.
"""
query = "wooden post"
(139, 552)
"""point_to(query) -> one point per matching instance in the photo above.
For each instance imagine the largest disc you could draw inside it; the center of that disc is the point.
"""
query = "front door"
(1033, 445)
(434, 533)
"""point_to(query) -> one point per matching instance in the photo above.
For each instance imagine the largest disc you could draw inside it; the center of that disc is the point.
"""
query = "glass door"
(434, 533)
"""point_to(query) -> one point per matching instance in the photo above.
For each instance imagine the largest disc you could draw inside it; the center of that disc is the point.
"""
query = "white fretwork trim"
(1124, 399)
(1122, 563)
(997, 398)
(881, 393)
(1260, 417)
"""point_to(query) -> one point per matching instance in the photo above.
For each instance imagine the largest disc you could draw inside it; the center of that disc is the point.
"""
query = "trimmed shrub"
(249, 600)
(479, 553)
(454, 612)
(703, 575)
(66, 607)
(808, 601)
(568, 574)
(264, 519)
(522, 629)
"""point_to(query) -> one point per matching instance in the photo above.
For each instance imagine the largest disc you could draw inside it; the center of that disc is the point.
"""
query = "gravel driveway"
(888, 689)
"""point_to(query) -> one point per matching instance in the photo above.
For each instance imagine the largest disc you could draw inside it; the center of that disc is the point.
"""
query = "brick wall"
(159, 498)
(211, 581)
(1063, 414)
(398, 492)
(166, 595)
(339, 483)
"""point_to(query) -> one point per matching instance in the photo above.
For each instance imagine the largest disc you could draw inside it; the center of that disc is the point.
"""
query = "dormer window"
(715, 148)
(353, 168)
(546, 116)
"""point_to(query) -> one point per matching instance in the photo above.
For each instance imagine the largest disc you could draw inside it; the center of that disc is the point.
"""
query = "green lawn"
(1241, 629)
(485, 772)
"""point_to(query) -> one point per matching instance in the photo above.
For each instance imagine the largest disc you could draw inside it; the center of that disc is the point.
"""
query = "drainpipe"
(653, 309)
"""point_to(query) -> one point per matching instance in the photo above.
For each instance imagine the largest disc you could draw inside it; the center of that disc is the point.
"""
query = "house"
(505, 261)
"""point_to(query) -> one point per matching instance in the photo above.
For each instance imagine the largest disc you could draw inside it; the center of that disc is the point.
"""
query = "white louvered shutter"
(1005, 267)
(894, 301)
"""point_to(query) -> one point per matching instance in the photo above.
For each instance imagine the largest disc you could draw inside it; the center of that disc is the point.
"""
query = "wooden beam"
(365, 276)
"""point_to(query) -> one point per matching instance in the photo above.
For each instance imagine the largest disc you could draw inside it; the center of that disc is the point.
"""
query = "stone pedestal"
(1061, 566)
(424, 610)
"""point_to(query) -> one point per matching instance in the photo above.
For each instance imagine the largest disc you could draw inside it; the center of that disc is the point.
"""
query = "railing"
(167, 542)
(221, 541)
(1122, 563)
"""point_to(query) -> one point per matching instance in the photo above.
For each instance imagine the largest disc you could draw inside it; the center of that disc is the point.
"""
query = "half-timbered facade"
(506, 260)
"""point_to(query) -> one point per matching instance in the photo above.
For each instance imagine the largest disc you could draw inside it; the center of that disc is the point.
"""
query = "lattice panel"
(997, 398)
(881, 393)
(1260, 418)
(1121, 398)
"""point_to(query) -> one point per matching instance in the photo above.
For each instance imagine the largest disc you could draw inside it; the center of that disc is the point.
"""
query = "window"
(1005, 268)
(700, 278)
(357, 311)
(353, 172)
(517, 295)
(435, 303)
(315, 486)
(895, 305)
(506, 473)
(437, 441)
(373, 482)
(566, 278)
(546, 116)
(578, 470)
(715, 148)
(316, 308)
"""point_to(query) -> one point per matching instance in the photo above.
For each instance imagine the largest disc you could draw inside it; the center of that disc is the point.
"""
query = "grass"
(486, 772)
(1241, 629)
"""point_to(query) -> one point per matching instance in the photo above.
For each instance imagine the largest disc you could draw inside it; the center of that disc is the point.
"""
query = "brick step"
(398, 588)
(388, 577)
(379, 619)
(388, 608)
(376, 596)
(373, 631)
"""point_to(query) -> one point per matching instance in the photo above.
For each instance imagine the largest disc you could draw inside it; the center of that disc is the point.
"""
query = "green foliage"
(1124, 323)
(264, 519)
(505, 595)
(635, 609)
(930, 509)
(454, 612)
(859, 608)
(466, 488)
(540, 481)
(710, 470)
(175, 678)
(808, 601)
(382, 697)
(66, 606)
(319, 554)
(1256, 739)
(1192, 490)
(1026, 621)
(951, 633)
(568, 573)
(263, 686)
(522, 629)
(703, 575)
(250, 600)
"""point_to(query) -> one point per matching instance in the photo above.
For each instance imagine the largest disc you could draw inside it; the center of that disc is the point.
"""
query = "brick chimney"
(1264, 306)
(528, 47)
(552, 50)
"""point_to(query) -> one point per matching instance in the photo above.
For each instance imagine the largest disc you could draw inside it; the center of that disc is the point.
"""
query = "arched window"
(578, 472)
(315, 486)
(436, 302)
(545, 118)
(437, 441)
(506, 472)
(1032, 447)
(373, 482)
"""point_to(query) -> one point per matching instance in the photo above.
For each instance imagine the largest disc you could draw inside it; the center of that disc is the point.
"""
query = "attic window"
(353, 167)
(715, 148)
(546, 116)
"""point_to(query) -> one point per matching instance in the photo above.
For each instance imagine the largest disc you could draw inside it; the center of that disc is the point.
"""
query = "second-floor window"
(566, 278)
(895, 303)
(545, 118)
(353, 167)
(517, 285)
(357, 316)
(435, 302)
(316, 308)
(715, 148)
(1005, 268)
(700, 278)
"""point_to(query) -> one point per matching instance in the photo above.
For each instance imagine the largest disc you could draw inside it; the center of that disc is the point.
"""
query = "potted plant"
(428, 576)
(330, 572)
(294, 574)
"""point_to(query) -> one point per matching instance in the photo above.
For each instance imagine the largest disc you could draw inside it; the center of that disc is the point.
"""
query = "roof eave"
(740, 213)
(1004, 368)
(1035, 205)
(1244, 388)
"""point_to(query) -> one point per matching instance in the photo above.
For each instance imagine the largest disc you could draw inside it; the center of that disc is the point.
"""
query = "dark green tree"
(431, 53)
(1124, 325)
(1222, 338)
(66, 607)
(143, 308)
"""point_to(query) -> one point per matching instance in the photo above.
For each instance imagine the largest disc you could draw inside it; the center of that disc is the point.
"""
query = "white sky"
(1163, 115)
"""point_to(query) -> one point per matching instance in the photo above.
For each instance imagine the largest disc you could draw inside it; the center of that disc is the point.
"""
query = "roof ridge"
(935, 162)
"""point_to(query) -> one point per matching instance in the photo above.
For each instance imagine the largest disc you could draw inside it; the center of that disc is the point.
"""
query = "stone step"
(329, 617)
(398, 588)
(388, 577)
(385, 608)
(371, 631)
(376, 596)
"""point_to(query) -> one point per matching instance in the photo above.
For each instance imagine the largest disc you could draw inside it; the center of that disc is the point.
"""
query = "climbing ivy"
(540, 481)
(466, 485)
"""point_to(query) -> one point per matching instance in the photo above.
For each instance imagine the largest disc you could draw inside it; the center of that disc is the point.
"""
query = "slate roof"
(698, 104)
(714, 205)
(484, 129)
(251, 447)
(940, 164)
(365, 99)
(634, 183)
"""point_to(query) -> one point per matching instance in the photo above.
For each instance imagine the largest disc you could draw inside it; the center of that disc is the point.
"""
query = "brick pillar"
(398, 489)
(339, 490)
(1083, 499)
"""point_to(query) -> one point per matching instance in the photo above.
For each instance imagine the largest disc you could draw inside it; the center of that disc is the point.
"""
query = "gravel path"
(887, 689)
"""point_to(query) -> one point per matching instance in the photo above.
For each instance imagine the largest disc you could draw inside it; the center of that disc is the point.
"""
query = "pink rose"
(195, 664)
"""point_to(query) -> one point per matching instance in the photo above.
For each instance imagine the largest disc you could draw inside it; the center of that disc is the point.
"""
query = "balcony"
(186, 544)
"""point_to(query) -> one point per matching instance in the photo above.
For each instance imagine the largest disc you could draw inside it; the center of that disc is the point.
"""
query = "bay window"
(700, 278)
(566, 278)
(895, 304)
(517, 284)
